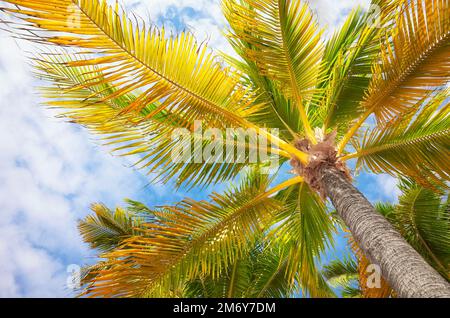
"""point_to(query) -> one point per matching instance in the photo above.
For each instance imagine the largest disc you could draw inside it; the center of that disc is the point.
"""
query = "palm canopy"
(135, 85)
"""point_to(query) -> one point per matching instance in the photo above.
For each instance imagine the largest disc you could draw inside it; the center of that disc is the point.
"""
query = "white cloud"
(157, 8)
(211, 23)
(27, 270)
(332, 13)
(388, 186)
(378, 187)
(203, 18)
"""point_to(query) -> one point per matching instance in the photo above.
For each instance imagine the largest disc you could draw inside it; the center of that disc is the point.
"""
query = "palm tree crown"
(374, 91)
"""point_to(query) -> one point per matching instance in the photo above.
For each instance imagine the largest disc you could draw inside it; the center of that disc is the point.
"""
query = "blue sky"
(50, 171)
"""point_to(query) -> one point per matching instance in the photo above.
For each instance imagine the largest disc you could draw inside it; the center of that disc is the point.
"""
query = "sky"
(51, 171)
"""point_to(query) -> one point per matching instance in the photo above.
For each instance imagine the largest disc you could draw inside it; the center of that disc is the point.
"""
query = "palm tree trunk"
(401, 266)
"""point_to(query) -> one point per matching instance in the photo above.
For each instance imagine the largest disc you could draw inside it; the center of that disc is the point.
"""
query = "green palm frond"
(270, 278)
(305, 230)
(350, 291)
(276, 111)
(261, 273)
(232, 283)
(285, 45)
(415, 146)
(419, 217)
(341, 272)
(106, 229)
(348, 58)
(138, 208)
(343, 275)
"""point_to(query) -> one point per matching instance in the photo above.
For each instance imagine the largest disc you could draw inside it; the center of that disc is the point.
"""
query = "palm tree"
(422, 217)
(374, 92)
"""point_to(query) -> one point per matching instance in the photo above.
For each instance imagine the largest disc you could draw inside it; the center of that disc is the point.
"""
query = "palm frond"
(415, 146)
(420, 219)
(276, 111)
(138, 208)
(140, 57)
(134, 57)
(106, 229)
(285, 45)
(191, 238)
(340, 272)
(415, 59)
(150, 142)
(348, 58)
(350, 291)
(343, 275)
(305, 230)
(270, 278)
(260, 273)
(232, 283)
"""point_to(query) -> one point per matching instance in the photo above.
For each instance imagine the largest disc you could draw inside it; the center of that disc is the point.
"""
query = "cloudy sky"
(51, 171)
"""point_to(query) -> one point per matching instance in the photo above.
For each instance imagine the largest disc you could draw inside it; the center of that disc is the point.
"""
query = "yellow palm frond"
(128, 133)
(414, 61)
(285, 45)
(149, 141)
(188, 239)
(136, 57)
(416, 145)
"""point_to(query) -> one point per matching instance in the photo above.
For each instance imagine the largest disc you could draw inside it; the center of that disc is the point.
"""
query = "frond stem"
(410, 141)
(289, 150)
(272, 278)
(349, 135)
(230, 293)
(305, 121)
(283, 185)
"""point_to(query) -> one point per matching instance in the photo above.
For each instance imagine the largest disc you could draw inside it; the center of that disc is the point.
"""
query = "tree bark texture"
(401, 265)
